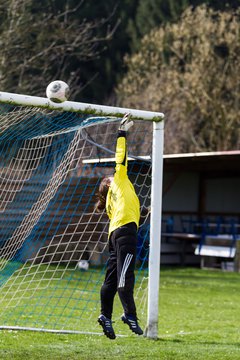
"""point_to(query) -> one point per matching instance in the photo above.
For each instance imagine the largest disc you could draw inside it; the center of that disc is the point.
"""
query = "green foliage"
(107, 68)
(190, 70)
(81, 42)
(150, 14)
(44, 41)
(198, 320)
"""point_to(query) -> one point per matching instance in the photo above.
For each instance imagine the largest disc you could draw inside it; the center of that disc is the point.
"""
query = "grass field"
(199, 318)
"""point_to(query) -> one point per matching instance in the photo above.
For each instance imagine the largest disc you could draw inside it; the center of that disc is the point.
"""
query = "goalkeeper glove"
(126, 123)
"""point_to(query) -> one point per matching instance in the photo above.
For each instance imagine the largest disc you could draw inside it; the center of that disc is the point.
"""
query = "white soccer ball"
(83, 265)
(57, 91)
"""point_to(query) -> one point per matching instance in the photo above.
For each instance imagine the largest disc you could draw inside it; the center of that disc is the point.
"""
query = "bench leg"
(237, 257)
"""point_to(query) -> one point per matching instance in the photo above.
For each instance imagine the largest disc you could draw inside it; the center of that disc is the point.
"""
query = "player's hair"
(102, 194)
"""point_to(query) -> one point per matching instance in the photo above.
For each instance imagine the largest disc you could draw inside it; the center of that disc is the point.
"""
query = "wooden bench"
(217, 246)
(181, 245)
(217, 251)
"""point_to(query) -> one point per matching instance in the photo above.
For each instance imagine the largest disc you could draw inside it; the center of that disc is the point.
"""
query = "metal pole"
(92, 109)
(155, 230)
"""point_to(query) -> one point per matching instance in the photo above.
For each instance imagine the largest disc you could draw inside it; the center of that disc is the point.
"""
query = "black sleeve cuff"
(122, 133)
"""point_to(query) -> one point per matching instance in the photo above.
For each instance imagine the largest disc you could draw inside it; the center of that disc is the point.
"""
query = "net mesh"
(51, 165)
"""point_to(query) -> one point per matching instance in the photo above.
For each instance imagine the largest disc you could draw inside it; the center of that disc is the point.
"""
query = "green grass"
(199, 314)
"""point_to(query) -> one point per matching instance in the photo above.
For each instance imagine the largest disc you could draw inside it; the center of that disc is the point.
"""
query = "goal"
(53, 245)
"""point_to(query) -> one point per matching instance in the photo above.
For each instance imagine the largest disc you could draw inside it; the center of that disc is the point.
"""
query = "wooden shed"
(201, 205)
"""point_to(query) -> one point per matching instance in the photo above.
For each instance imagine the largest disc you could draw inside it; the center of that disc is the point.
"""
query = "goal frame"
(157, 118)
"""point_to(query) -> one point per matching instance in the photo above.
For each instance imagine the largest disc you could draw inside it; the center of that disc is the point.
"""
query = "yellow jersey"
(122, 203)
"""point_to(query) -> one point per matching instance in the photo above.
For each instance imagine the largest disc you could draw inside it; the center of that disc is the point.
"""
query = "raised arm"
(121, 147)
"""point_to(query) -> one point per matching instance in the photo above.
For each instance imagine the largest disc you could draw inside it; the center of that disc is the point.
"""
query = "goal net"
(53, 244)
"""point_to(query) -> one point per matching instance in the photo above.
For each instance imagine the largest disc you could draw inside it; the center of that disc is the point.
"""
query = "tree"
(191, 71)
(150, 14)
(108, 66)
(47, 40)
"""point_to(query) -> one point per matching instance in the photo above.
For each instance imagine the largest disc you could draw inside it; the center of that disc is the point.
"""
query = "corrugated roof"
(218, 162)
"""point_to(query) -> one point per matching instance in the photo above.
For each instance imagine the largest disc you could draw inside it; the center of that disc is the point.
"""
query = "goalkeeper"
(117, 196)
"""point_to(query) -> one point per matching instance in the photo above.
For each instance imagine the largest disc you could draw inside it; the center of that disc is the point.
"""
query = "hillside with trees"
(85, 43)
(190, 70)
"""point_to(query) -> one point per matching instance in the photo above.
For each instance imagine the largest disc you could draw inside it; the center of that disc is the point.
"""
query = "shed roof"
(219, 162)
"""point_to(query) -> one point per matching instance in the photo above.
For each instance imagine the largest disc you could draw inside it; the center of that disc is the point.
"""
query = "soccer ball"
(58, 91)
(83, 265)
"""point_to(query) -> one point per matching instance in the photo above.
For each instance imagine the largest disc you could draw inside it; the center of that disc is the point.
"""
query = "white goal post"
(92, 109)
(157, 118)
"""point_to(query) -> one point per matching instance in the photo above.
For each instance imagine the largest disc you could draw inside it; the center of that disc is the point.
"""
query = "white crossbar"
(93, 109)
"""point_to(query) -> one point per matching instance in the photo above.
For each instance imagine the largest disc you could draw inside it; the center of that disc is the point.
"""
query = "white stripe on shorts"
(126, 264)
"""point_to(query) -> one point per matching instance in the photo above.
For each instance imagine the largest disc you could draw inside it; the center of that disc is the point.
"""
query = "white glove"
(126, 123)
